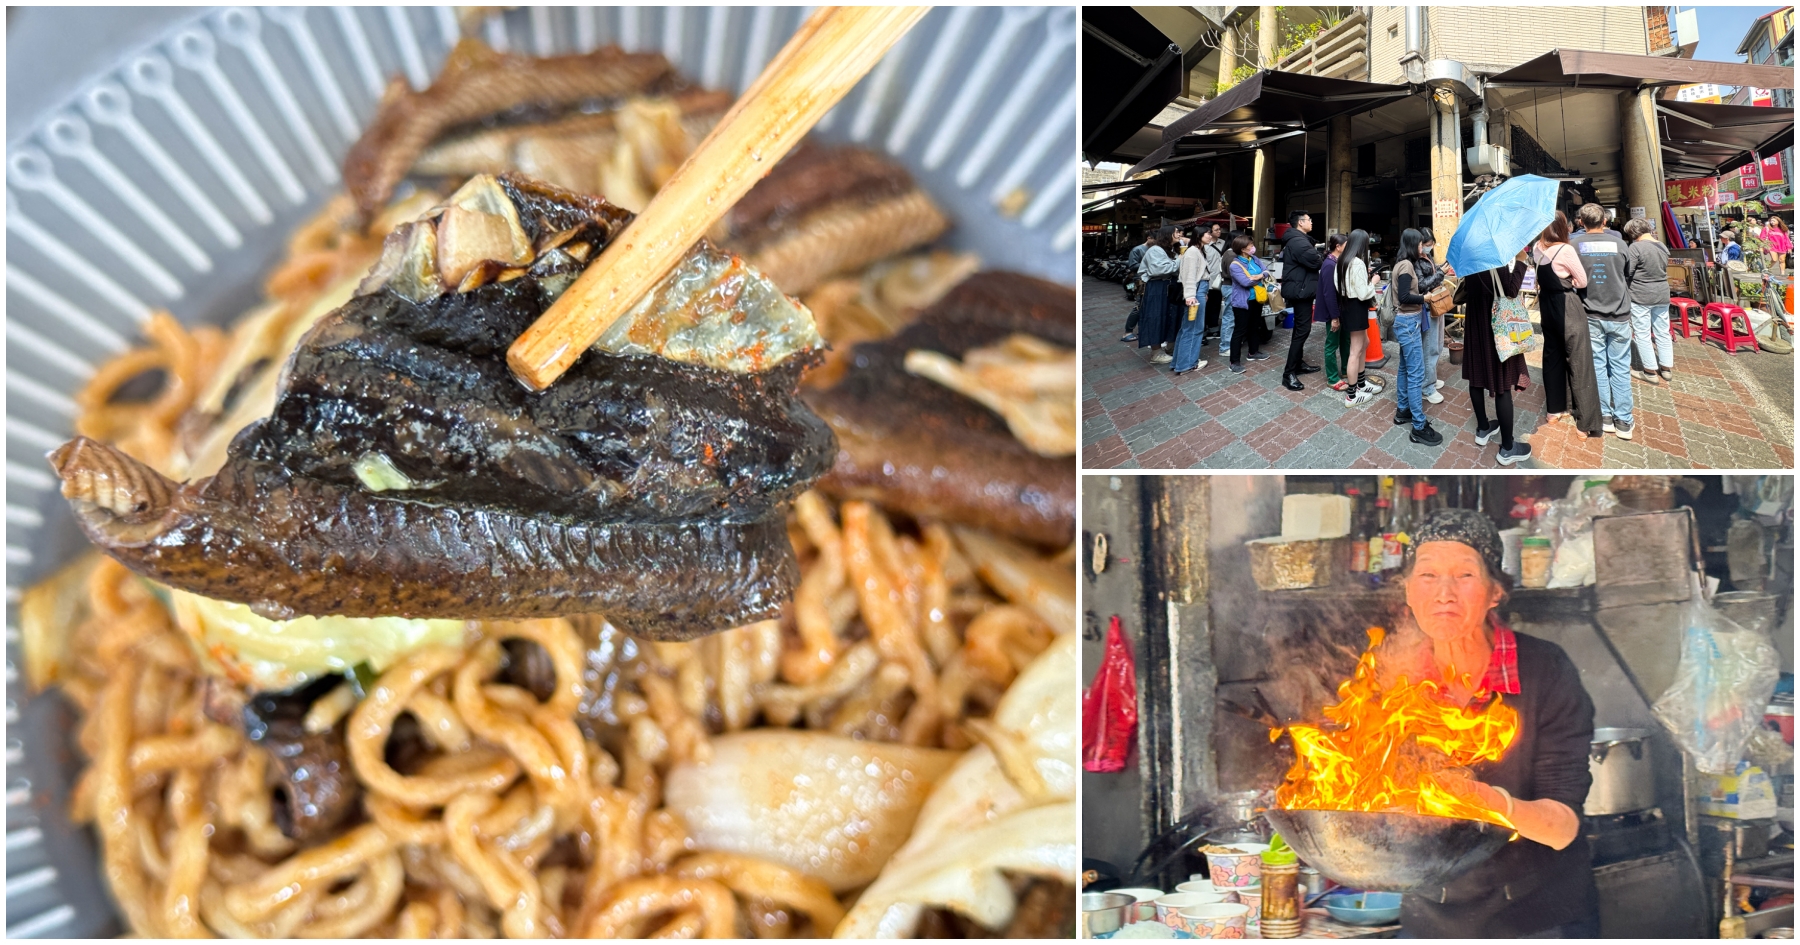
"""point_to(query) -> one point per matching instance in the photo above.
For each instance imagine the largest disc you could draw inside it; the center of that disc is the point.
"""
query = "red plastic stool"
(1686, 310)
(1726, 332)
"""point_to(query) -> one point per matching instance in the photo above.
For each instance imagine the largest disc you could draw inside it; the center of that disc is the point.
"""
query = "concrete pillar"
(1446, 168)
(1262, 214)
(1267, 37)
(1338, 173)
(1228, 57)
(1640, 156)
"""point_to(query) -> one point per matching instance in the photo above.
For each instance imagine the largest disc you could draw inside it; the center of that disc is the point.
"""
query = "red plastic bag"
(1109, 707)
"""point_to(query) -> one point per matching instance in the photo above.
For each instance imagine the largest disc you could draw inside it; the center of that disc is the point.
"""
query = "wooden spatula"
(833, 50)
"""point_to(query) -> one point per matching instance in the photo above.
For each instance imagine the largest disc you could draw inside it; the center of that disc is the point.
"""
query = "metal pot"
(1105, 912)
(1619, 760)
(1384, 851)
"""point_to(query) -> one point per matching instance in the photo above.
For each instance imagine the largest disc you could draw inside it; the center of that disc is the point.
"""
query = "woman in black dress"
(1157, 325)
(1569, 382)
(1482, 368)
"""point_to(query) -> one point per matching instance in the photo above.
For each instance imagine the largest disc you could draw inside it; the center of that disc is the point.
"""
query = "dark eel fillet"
(912, 444)
(405, 472)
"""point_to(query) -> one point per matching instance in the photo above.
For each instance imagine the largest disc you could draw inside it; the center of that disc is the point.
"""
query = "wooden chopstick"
(832, 51)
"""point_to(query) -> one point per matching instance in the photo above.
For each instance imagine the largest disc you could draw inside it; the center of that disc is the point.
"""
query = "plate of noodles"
(758, 623)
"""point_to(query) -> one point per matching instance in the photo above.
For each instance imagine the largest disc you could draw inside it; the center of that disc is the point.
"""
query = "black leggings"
(1247, 329)
(1503, 411)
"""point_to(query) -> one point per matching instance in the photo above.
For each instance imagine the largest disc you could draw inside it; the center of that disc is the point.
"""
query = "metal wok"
(1387, 852)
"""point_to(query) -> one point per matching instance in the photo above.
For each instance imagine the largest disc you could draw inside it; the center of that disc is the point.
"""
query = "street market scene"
(1437, 706)
(1437, 237)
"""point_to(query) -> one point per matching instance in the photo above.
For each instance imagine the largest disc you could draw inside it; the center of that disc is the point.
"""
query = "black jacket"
(1300, 261)
(1526, 887)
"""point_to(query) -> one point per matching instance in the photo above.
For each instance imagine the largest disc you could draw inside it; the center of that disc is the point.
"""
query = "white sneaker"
(1606, 425)
(1622, 430)
(1440, 386)
(1161, 357)
(1434, 397)
(1357, 397)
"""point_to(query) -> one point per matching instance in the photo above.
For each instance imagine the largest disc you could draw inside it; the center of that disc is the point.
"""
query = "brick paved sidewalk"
(1137, 415)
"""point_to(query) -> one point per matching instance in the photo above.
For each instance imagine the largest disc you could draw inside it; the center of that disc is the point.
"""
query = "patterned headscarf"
(1468, 526)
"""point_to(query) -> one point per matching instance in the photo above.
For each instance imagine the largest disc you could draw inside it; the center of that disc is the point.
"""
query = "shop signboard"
(1771, 171)
(1694, 192)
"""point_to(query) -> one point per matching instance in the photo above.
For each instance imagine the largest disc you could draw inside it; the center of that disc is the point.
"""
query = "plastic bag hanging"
(1109, 710)
(1722, 682)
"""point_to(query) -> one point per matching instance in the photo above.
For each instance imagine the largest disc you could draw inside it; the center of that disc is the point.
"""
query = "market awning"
(1265, 107)
(1703, 139)
(1130, 70)
(1584, 69)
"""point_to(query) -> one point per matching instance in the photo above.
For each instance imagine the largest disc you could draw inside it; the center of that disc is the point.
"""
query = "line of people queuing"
(1600, 293)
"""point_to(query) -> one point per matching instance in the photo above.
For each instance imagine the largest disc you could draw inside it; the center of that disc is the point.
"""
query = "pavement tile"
(1095, 429)
(1235, 456)
(1715, 412)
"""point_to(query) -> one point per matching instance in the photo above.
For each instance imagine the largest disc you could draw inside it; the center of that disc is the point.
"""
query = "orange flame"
(1391, 749)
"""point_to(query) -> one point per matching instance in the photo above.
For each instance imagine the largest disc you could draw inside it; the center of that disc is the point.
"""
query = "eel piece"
(829, 210)
(478, 83)
(946, 456)
(405, 472)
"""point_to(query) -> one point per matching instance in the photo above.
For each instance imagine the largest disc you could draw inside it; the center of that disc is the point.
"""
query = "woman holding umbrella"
(1482, 367)
(1485, 246)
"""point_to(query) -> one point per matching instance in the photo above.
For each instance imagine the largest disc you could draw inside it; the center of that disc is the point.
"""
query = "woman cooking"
(1540, 885)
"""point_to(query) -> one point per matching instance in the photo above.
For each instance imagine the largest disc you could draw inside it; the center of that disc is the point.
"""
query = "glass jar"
(1281, 900)
(1534, 561)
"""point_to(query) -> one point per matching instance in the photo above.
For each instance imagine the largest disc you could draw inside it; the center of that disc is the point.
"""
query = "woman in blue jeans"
(1431, 276)
(1409, 303)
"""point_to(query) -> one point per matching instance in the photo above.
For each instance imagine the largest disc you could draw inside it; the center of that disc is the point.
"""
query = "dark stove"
(1629, 836)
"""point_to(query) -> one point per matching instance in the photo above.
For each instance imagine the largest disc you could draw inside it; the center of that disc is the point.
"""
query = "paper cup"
(1146, 902)
(1217, 920)
(1168, 907)
(1251, 897)
(1236, 870)
(1206, 888)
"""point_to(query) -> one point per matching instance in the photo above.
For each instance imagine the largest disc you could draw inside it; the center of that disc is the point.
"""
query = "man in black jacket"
(1300, 261)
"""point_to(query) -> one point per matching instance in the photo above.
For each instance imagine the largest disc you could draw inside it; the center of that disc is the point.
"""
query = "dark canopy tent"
(1130, 71)
(1266, 107)
(1704, 139)
(1584, 69)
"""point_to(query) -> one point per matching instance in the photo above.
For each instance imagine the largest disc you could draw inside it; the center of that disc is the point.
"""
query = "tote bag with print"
(1512, 324)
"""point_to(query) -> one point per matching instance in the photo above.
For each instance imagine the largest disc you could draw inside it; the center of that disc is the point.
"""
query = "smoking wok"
(1388, 852)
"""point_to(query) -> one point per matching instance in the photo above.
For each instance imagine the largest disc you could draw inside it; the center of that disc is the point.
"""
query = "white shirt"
(1356, 280)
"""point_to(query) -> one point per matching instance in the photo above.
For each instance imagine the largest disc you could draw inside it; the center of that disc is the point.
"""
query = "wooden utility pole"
(1446, 168)
(1262, 214)
(1339, 175)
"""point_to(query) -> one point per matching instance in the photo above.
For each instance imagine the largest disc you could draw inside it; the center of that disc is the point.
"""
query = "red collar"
(1503, 664)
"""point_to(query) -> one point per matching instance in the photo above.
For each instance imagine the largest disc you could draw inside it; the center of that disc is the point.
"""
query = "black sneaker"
(1484, 434)
(1256, 356)
(1237, 368)
(1518, 451)
(1427, 436)
(1402, 418)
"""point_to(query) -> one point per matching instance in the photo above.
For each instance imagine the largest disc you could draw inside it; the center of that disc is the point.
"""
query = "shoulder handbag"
(1259, 291)
(1443, 298)
(1512, 324)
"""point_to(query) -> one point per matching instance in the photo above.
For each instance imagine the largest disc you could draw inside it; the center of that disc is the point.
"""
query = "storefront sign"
(1637, 213)
(1771, 170)
(1694, 192)
(1447, 207)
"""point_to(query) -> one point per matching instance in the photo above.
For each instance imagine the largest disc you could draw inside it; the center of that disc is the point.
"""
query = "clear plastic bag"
(1570, 522)
(1722, 682)
(1109, 711)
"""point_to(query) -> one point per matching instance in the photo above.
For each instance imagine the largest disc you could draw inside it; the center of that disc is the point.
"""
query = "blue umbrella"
(1501, 223)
